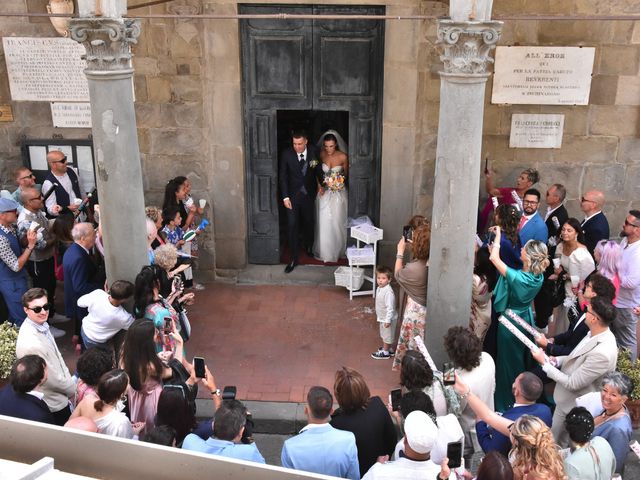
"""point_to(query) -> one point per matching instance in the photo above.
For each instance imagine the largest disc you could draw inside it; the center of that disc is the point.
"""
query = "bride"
(331, 203)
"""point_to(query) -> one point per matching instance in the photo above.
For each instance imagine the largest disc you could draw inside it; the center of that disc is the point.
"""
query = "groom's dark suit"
(298, 183)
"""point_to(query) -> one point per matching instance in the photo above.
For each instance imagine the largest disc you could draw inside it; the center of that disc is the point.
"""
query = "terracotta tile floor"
(275, 342)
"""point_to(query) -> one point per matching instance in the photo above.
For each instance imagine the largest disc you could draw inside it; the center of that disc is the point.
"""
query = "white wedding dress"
(331, 222)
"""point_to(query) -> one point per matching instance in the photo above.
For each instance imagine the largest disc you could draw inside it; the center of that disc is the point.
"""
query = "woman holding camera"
(412, 279)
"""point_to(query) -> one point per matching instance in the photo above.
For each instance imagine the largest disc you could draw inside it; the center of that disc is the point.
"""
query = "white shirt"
(104, 320)
(482, 381)
(386, 304)
(629, 294)
(403, 468)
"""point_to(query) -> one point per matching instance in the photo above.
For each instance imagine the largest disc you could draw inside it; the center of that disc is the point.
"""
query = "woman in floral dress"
(412, 279)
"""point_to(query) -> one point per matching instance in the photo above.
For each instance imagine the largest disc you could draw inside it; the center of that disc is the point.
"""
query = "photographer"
(412, 279)
(228, 427)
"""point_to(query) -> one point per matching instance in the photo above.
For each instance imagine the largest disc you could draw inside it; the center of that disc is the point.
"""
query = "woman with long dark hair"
(176, 194)
(146, 370)
(576, 263)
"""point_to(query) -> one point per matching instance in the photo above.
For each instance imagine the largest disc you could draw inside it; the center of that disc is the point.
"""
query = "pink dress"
(143, 404)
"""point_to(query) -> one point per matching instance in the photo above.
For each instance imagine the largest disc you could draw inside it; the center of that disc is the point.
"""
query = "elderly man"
(595, 225)
(67, 187)
(35, 338)
(228, 426)
(41, 264)
(624, 326)
(24, 179)
(79, 273)
(582, 370)
(320, 448)
(420, 435)
(22, 398)
(13, 274)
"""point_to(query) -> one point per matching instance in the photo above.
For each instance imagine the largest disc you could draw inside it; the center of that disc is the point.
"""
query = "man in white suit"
(582, 370)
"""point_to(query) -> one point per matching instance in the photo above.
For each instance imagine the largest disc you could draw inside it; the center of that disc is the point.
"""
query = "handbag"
(558, 291)
(57, 267)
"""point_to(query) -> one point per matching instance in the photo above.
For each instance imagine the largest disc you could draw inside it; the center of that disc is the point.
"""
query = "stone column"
(115, 141)
(466, 48)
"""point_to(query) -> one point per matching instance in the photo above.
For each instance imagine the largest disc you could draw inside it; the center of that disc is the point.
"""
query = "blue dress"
(617, 433)
(514, 291)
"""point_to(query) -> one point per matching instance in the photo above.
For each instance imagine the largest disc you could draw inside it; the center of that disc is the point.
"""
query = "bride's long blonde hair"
(534, 450)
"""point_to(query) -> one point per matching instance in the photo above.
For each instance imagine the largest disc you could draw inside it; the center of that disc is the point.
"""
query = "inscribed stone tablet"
(543, 75)
(536, 131)
(45, 69)
(71, 114)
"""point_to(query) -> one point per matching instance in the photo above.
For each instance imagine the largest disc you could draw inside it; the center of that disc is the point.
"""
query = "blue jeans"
(86, 343)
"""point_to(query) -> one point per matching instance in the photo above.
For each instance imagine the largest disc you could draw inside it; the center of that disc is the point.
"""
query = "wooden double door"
(312, 65)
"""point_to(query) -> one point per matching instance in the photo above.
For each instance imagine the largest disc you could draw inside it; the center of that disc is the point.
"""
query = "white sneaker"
(56, 332)
(57, 318)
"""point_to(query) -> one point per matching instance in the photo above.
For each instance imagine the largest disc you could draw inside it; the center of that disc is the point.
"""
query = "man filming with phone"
(228, 426)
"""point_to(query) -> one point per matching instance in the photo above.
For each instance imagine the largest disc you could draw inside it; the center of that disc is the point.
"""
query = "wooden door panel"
(325, 65)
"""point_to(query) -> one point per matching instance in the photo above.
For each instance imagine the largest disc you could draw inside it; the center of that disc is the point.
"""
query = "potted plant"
(631, 370)
(8, 338)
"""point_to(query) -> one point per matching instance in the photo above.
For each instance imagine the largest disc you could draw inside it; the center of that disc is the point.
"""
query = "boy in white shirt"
(385, 312)
(106, 315)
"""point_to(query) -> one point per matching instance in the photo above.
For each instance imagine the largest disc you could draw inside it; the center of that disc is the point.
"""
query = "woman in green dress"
(515, 290)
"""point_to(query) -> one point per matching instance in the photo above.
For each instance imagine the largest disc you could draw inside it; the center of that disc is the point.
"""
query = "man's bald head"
(592, 202)
(57, 161)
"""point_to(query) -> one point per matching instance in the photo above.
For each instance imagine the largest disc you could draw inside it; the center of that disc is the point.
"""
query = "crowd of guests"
(555, 410)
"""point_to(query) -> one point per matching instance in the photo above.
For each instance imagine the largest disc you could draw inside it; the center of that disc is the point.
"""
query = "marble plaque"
(536, 130)
(45, 69)
(71, 114)
(543, 75)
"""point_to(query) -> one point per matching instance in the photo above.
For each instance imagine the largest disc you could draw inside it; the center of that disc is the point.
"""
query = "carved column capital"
(466, 45)
(107, 41)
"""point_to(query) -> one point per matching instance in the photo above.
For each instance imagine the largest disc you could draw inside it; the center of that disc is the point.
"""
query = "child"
(171, 220)
(106, 317)
(385, 312)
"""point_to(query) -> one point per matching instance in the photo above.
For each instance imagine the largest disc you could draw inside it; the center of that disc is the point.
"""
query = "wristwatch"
(216, 392)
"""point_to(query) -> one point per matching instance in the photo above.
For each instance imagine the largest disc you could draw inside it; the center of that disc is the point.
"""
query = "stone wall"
(189, 112)
(600, 144)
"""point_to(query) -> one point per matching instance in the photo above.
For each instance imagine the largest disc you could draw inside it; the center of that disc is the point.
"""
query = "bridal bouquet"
(334, 181)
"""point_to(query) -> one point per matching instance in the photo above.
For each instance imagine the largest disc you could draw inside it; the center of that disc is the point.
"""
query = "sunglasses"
(28, 176)
(629, 224)
(38, 309)
(62, 160)
(586, 200)
(39, 197)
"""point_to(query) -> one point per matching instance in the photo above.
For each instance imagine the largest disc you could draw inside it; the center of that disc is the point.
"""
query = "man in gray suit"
(582, 370)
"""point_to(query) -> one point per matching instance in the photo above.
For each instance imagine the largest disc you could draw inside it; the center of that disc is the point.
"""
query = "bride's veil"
(342, 145)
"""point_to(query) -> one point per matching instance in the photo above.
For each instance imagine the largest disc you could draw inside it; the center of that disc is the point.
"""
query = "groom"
(299, 173)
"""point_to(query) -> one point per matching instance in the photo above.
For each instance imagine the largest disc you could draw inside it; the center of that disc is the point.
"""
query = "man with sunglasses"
(41, 264)
(595, 225)
(24, 179)
(35, 338)
(67, 187)
(13, 258)
(624, 326)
